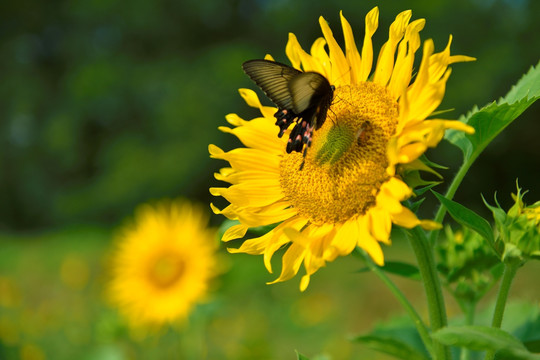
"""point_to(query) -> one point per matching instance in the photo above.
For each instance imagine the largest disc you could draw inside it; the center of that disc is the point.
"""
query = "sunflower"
(163, 263)
(349, 190)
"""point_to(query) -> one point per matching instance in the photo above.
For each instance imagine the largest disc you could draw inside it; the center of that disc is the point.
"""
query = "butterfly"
(301, 96)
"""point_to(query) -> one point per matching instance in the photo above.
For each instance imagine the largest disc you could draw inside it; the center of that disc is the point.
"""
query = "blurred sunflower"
(350, 189)
(163, 263)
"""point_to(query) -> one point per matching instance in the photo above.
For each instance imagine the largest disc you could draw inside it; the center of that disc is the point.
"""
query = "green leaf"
(402, 269)
(521, 319)
(467, 217)
(422, 190)
(481, 261)
(300, 356)
(415, 205)
(489, 121)
(516, 354)
(398, 337)
(527, 87)
(533, 345)
(482, 338)
(499, 215)
(529, 327)
(391, 346)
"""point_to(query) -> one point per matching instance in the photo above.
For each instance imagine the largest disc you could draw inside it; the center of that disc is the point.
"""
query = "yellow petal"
(346, 237)
(385, 63)
(352, 55)
(380, 224)
(372, 22)
(320, 239)
(389, 203)
(254, 246)
(430, 225)
(397, 188)
(243, 176)
(246, 159)
(250, 194)
(235, 120)
(300, 59)
(260, 219)
(279, 238)
(235, 232)
(440, 61)
(458, 125)
(401, 76)
(340, 71)
(304, 282)
(273, 214)
(292, 259)
(321, 60)
(297, 236)
(429, 98)
(251, 98)
(368, 242)
(422, 80)
(411, 152)
(406, 218)
(228, 212)
(258, 133)
(312, 263)
(293, 49)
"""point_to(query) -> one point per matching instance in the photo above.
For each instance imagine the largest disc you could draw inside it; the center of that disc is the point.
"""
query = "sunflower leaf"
(484, 338)
(402, 269)
(391, 346)
(467, 217)
(397, 337)
(490, 120)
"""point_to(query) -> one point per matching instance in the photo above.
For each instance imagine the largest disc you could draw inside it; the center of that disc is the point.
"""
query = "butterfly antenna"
(334, 117)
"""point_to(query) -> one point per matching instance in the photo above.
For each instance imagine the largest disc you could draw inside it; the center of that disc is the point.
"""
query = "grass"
(53, 306)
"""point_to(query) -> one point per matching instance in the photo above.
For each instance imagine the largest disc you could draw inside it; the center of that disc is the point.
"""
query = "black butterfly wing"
(309, 90)
(273, 78)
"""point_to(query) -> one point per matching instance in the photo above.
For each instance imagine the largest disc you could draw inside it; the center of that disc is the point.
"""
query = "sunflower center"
(166, 270)
(346, 163)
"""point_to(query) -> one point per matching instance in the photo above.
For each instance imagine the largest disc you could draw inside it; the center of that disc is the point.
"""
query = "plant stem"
(469, 308)
(432, 287)
(510, 270)
(420, 326)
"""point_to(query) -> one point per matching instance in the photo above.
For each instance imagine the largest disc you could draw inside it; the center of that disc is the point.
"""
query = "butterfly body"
(304, 97)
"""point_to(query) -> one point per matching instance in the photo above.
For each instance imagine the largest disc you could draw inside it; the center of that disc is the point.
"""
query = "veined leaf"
(300, 356)
(467, 217)
(489, 121)
(479, 338)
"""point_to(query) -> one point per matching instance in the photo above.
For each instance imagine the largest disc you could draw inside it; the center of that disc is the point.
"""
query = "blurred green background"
(107, 104)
